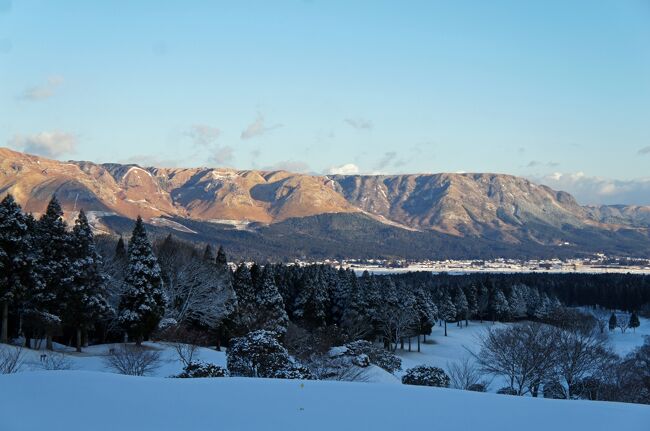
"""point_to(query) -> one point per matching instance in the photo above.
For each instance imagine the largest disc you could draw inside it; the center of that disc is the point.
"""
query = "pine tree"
(243, 285)
(483, 301)
(517, 302)
(221, 260)
(427, 313)
(120, 249)
(269, 306)
(446, 309)
(312, 302)
(461, 305)
(612, 322)
(85, 298)
(54, 263)
(16, 259)
(355, 320)
(143, 302)
(208, 254)
(634, 321)
(471, 293)
(499, 305)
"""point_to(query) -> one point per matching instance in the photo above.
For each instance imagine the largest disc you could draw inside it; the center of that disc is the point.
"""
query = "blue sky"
(558, 91)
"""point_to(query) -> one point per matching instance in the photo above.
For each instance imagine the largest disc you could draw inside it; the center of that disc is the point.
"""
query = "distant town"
(598, 263)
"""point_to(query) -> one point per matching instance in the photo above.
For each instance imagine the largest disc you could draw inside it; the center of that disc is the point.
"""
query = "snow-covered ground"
(440, 350)
(91, 396)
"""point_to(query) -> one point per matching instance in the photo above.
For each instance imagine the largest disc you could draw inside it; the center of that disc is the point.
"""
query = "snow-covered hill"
(77, 400)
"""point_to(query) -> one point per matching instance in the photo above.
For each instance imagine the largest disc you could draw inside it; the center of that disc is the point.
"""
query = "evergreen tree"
(471, 293)
(85, 298)
(634, 321)
(208, 254)
(53, 266)
(143, 302)
(461, 305)
(221, 260)
(447, 309)
(269, 307)
(355, 320)
(246, 309)
(483, 301)
(427, 313)
(120, 249)
(312, 302)
(517, 302)
(16, 259)
(499, 307)
(612, 322)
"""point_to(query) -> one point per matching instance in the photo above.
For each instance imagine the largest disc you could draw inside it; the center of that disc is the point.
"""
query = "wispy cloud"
(42, 92)
(203, 135)
(48, 144)
(346, 169)
(257, 128)
(205, 139)
(598, 190)
(537, 163)
(645, 150)
(359, 123)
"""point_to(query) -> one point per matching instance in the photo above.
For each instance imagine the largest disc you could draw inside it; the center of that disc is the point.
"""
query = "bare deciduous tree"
(523, 353)
(133, 360)
(465, 374)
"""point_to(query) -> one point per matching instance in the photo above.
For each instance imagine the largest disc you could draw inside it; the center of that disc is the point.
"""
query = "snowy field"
(77, 400)
(90, 396)
(440, 350)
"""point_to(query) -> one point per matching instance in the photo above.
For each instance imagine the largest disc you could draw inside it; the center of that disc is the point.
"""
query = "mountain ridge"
(501, 208)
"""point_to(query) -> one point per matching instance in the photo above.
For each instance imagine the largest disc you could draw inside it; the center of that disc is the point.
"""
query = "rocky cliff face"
(495, 207)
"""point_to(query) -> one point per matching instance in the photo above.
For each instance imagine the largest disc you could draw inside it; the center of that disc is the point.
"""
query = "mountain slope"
(471, 215)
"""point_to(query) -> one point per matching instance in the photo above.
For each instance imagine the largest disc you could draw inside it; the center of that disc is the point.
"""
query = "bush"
(377, 355)
(426, 376)
(259, 354)
(133, 360)
(11, 359)
(201, 370)
(477, 387)
(507, 390)
(54, 361)
(554, 390)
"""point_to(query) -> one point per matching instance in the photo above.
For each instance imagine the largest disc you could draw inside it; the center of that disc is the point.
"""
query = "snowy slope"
(77, 400)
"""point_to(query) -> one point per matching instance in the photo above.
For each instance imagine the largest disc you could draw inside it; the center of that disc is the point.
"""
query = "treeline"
(613, 291)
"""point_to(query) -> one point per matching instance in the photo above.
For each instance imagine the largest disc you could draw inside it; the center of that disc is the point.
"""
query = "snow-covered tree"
(424, 375)
(312, 301)
(461, 305)
(269, 306)
(427, 313)
(16, 259)
(446, 309)
(54, 263)
(499, 307)
(517, 302)
(143, 302)
(259, 354)
(85, 297)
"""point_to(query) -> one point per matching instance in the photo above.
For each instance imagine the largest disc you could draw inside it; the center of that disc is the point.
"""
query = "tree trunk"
(409, 344)
(445, 328)
(401, 343)
(78, 340)
(48, 342)
(84, 338)
(419, 342)
(4, 337)
(466, 323)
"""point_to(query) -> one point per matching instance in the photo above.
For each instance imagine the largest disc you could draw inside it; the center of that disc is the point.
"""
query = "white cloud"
(645, 150)
(48, 144)
(598, 190)
(257, 128)
(359, 123)
(42, 92)
(347, 169)
(222, 155)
